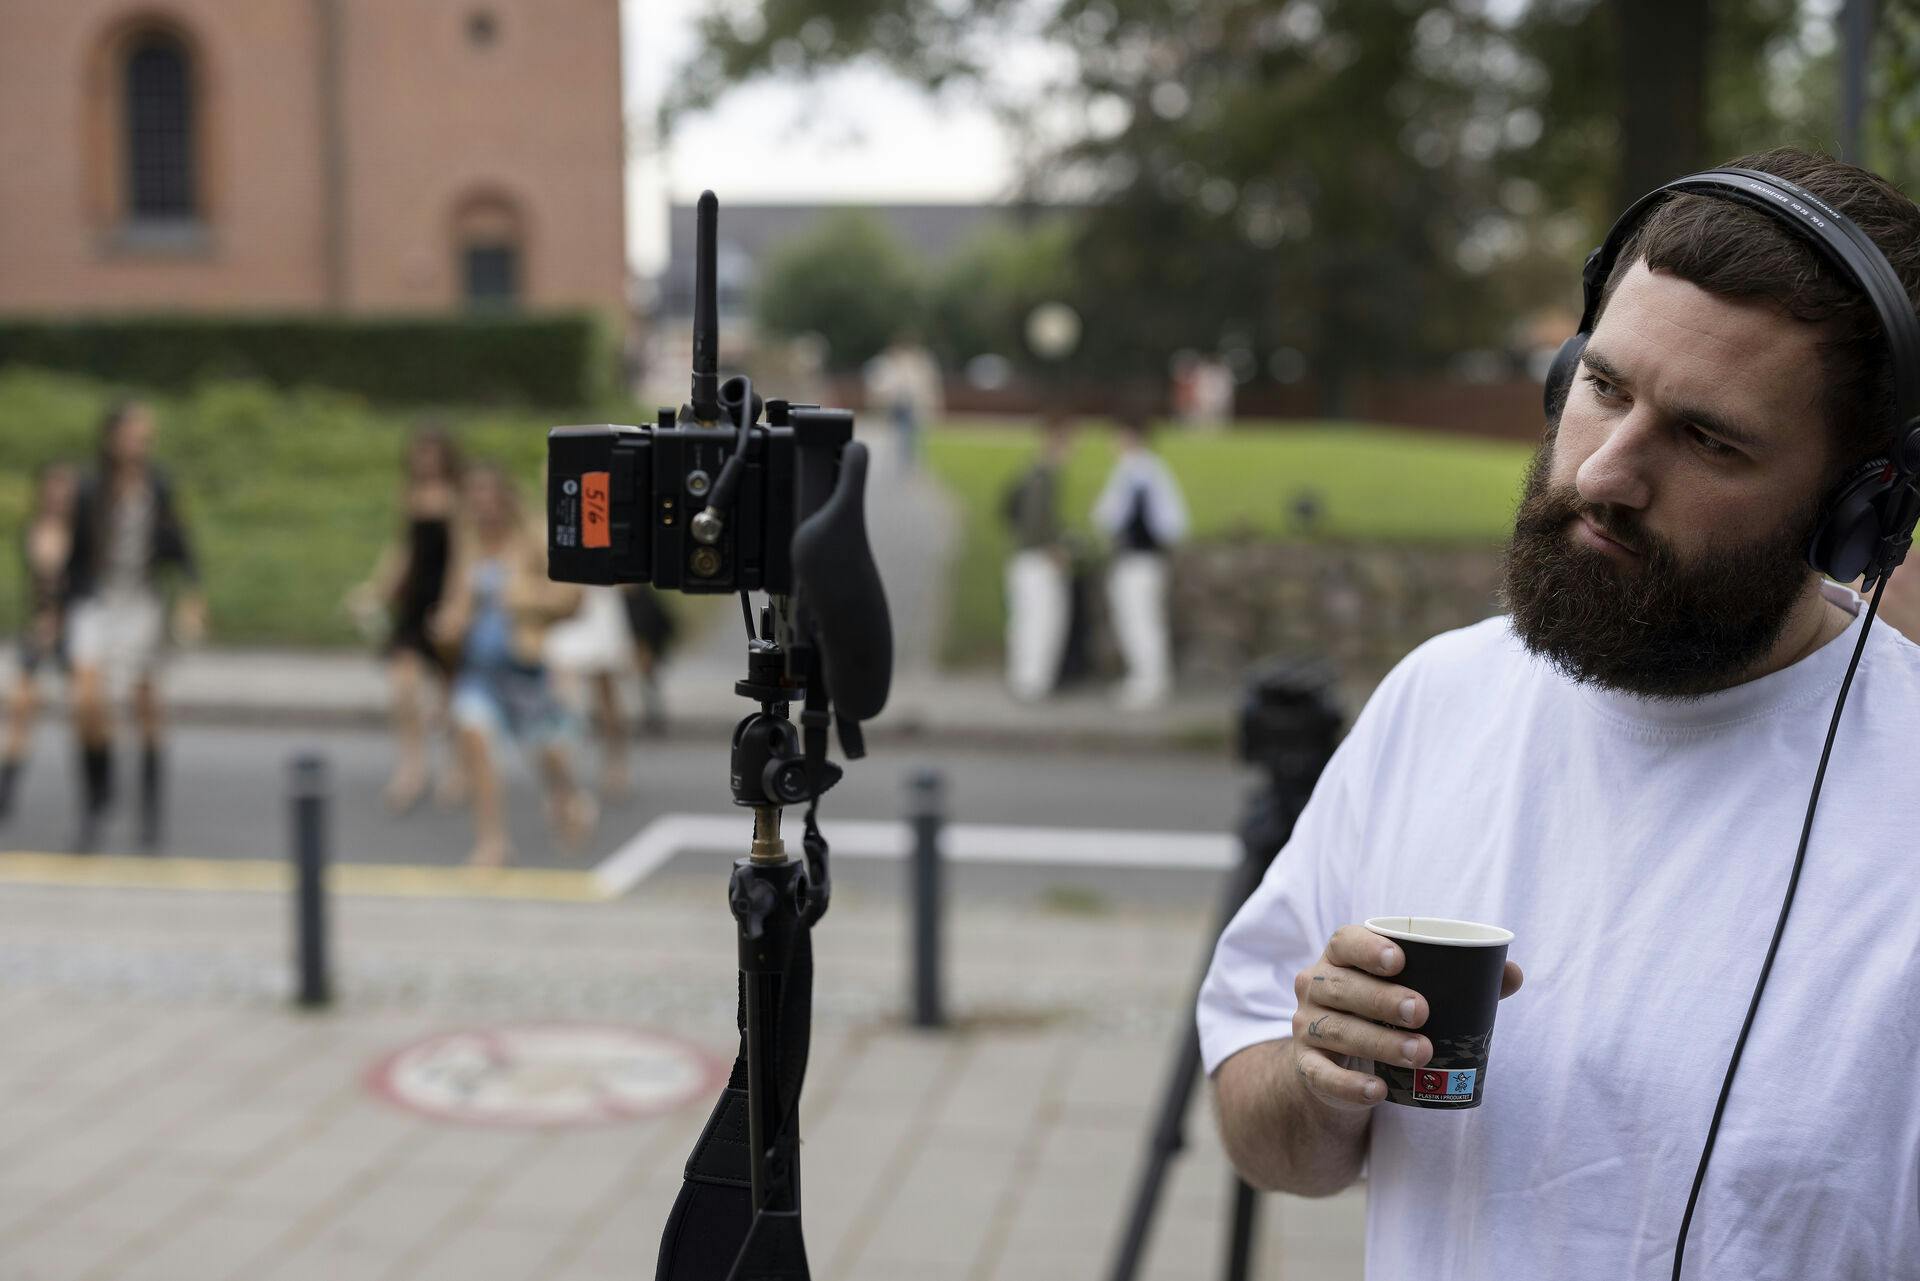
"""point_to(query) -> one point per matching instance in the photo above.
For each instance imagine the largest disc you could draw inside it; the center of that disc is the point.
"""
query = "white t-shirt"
(1639, 851)
(1139, 474)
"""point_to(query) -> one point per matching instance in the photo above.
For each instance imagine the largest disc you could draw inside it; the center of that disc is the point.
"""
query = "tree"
(847, 279)
(1893, 126)
(1375, 183)
(1662, 85)
(979, 301)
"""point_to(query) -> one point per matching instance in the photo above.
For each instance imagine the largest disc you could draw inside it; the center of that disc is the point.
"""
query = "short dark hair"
(1729, 249)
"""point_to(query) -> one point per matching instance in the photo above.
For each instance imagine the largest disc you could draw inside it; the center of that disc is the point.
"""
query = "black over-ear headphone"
(1867, 522)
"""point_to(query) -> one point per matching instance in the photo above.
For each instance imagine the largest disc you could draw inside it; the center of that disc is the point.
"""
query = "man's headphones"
(1867, 522)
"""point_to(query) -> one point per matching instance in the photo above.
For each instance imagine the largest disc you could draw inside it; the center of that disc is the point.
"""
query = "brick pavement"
(168, 1117)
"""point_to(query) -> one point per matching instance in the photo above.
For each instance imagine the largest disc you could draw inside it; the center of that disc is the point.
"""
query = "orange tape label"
(595, 530)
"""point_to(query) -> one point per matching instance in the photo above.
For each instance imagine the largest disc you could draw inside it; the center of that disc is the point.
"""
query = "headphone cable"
(1780, 927)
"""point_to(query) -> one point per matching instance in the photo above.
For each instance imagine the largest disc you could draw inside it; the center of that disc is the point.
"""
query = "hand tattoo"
(1313, 1028)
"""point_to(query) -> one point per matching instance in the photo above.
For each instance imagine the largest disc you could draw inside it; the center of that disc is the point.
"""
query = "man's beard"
(1661, 628)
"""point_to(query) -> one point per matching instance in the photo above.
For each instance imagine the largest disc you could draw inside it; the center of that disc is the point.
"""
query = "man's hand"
(1345, 997)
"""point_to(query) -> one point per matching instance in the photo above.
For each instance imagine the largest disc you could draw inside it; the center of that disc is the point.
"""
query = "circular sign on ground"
(547, 1074)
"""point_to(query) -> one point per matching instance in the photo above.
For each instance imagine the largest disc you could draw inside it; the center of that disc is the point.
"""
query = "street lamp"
(1053, 331)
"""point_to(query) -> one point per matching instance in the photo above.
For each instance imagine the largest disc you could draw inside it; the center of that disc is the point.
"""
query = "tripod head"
(770, 767)
(1290, 722)
(1289, 727)
(775, 765)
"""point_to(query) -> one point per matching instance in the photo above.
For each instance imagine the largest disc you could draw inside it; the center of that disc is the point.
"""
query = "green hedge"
(561, 358)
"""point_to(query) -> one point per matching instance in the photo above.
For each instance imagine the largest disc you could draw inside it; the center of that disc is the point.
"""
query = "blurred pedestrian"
(1143, 515)
(1038, 573)
(653, 628)
(1202, 390)
(904, 383)
(127, 545)
(589, 655)
(1212, 394)
(497, 609)
(46, 542)
(406, 584)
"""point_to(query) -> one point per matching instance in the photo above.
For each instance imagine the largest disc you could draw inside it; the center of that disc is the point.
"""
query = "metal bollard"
(308, 787)
(926, 802)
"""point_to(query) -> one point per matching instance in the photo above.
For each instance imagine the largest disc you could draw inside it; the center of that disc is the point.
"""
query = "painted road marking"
(645, 853)
(373, 880)
(672, 834)
(547, 1075)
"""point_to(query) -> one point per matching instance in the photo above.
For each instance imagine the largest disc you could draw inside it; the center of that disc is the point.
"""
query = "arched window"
(490, 246)
(159, 129)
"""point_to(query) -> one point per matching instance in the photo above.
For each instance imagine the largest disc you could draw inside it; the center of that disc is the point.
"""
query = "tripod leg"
(1169, 1136)
(1240, 1238)
(773, 1251)
(776, 971)
(738, 1212)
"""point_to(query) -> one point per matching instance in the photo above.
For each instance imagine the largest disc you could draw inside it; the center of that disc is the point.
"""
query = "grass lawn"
(1373, 484)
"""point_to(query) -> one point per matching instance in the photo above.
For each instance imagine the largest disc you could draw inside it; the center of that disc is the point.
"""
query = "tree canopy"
(848, 280)
(1378, 184)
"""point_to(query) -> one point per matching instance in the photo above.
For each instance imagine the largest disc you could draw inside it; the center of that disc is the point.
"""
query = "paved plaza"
(170, 1117)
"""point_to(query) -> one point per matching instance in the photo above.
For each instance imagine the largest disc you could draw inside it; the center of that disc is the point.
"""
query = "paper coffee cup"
(1457, 966)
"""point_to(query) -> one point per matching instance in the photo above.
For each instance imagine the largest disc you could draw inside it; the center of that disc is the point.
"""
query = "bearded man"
(1617, 771)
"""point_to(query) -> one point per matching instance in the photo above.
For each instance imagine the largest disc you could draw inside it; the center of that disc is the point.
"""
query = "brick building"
(362, 156)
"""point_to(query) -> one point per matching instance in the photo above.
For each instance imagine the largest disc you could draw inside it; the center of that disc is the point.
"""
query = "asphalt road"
(228, 799)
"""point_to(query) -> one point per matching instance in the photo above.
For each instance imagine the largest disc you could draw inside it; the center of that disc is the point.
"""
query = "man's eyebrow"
(1717, 424)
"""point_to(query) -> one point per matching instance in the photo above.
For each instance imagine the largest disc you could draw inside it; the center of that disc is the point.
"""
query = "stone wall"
(1363, 606)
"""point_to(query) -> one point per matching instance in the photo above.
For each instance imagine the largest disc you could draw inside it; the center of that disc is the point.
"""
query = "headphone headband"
(1829, 231)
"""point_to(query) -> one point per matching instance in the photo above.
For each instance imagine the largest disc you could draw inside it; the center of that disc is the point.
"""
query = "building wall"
(61, 247)
(530, 123)
(438, 133)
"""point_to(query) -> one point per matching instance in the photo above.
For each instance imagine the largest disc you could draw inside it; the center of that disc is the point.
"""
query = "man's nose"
(1618, 472)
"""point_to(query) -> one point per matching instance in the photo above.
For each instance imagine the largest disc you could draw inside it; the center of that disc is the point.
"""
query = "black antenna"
(706, 320)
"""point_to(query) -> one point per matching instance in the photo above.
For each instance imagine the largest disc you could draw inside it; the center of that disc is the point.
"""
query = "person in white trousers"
(1038, 603)
(1142, 513)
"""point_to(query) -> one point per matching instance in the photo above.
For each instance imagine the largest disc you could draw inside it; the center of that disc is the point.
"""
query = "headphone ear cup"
(1845, 540)
(1560, 373)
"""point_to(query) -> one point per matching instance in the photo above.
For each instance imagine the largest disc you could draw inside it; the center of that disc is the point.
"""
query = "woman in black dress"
(408, 582)
(45, 543)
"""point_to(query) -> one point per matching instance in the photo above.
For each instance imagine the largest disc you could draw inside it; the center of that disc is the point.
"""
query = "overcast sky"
(861, 136)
